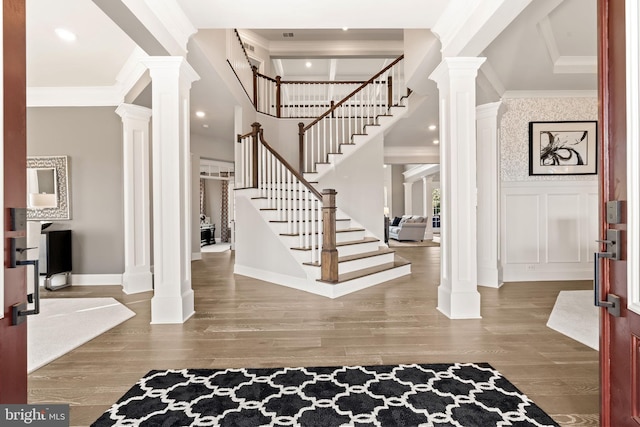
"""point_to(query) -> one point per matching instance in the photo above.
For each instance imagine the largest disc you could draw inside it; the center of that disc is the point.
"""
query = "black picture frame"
(563, 148)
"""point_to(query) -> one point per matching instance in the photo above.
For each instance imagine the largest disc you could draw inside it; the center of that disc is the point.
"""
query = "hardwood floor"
(242, 322)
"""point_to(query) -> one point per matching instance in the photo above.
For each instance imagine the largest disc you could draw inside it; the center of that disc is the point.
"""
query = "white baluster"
(290, 201)
(320, 230)
(307, 227)
(313, 230)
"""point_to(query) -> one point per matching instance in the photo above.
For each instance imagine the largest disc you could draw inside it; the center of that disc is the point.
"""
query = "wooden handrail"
(242, 45)
(286, 164)
(338, 104)
(257, 130)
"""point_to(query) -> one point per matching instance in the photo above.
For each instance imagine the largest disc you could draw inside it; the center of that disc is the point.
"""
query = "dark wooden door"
(13, 339)
(620, 336)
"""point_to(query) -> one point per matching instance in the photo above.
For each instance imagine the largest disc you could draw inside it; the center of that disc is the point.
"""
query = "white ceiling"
(551, 46)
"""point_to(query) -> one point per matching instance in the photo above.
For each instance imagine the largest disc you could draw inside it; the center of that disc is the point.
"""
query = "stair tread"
(284, 221)
(381, 251)
(400, 262)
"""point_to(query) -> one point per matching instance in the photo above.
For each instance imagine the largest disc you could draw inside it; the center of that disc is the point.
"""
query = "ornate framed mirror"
(47, 188)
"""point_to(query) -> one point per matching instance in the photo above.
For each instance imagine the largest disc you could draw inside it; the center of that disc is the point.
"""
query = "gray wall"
(92, 138)
(398, 191)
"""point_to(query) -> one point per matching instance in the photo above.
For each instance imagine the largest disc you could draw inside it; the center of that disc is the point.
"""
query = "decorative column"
(488, 175)
(427, 205)
(137, 275)
(171, 79)
(408, 198)
(458, 296)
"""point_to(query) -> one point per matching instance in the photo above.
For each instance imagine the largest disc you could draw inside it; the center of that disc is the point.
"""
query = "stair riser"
(313, 272)
(283, 228)
(374, 279)
(358, 248)
(346, 236)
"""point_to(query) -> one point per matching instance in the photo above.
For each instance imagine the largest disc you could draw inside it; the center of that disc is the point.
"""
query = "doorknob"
(19, 311)
(612, 304)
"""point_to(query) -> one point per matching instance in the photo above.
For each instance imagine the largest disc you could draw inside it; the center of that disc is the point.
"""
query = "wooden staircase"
(335, 253)
(317, 247)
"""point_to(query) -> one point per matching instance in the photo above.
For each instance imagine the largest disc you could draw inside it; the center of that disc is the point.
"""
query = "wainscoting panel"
(523, 245)
(548, 230)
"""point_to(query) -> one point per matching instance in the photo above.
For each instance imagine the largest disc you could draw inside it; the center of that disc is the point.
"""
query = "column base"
(490, 277)
(459, 305)
(134, 283)
(172, 309)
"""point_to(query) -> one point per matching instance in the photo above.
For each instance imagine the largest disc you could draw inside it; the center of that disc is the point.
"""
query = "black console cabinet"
(55, 256)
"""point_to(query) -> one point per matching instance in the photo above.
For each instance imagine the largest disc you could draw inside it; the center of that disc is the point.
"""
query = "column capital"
(158, 64)
(427, 178)
(461, 66)
(492, 109)
(134, 112)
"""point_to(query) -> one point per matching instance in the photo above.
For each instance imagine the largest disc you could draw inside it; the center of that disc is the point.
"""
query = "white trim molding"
(632, 14)
(550, 94)
(565, 64)
(548, 230)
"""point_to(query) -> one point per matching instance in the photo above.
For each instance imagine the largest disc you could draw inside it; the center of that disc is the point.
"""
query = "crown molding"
(576, 65)
(405, 155)
(86, 96)
(306, 49)
(565, 64)
(420, 171)
(550, 94)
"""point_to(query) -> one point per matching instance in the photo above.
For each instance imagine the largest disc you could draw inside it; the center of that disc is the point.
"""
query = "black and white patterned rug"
(459, 394)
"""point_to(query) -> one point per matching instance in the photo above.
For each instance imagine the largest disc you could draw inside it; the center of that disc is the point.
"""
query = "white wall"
(359, 181)
(549, 223)
(258, 249)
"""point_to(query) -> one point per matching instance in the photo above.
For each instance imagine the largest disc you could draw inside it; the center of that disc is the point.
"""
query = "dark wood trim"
(286, 164)
(329, 254)
(255, 87)
(13, 339)
(278, 97)
(339, 103)
(603, 129)
(389, 92)
(301, 146)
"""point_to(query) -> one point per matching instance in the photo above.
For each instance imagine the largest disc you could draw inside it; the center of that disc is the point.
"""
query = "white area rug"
(218, 247)
(575, 316)
(66, 323)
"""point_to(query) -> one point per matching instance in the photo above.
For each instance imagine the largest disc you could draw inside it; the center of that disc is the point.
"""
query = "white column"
(458, 296)
(171, 79)
(137, 275)
(408, 198)
(427, 204)
(488, 174)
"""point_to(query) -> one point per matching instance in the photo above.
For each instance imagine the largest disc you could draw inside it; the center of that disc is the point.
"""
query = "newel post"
(329, 254)
(389, 92)
(301, 146)
(278, 103)
(255, 86)
(254, 154)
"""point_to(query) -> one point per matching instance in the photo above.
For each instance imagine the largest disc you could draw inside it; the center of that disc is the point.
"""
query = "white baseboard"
(96, 279)
(543, 272)
(195, 256)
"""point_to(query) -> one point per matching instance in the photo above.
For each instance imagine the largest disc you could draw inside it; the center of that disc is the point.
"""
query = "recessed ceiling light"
(308, 64)
(345, 28)
(432, 127)
(200, 113)
(435, 141)
(206, 126)
(65, 34)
